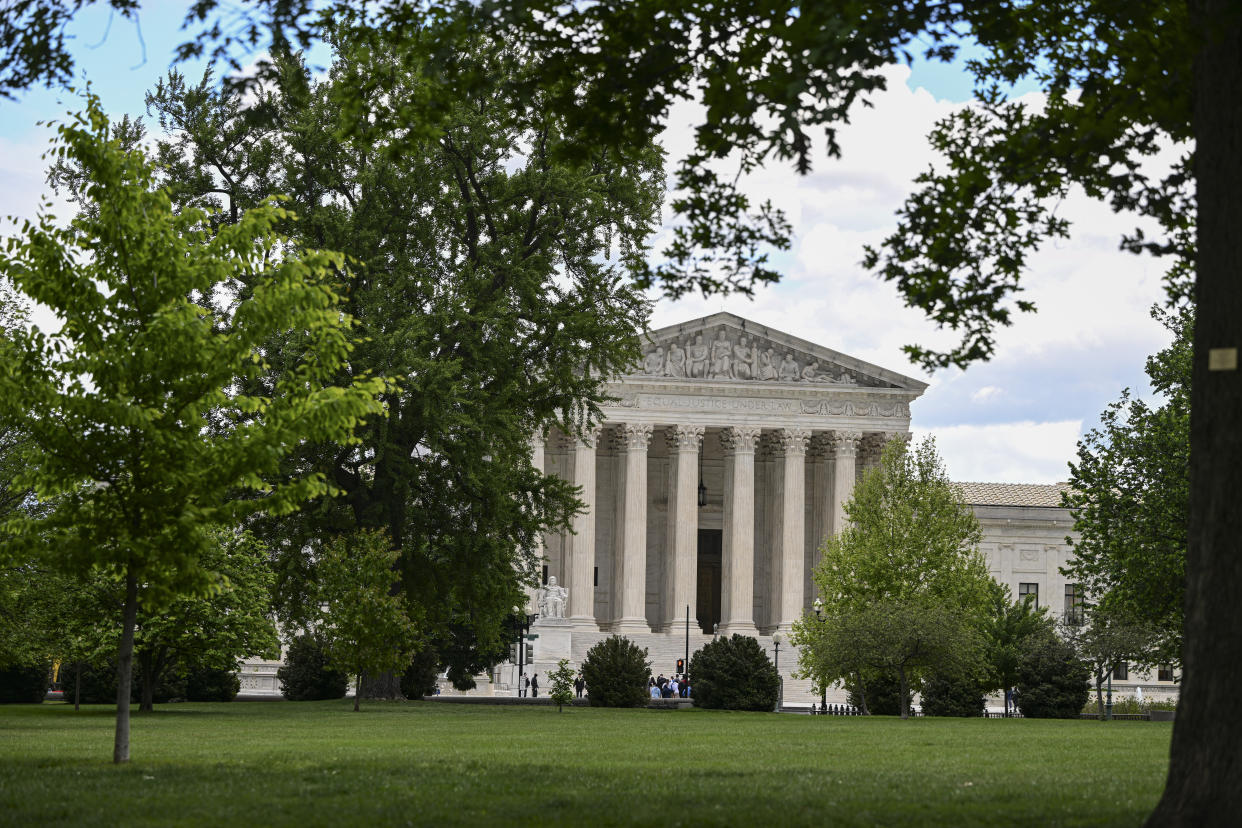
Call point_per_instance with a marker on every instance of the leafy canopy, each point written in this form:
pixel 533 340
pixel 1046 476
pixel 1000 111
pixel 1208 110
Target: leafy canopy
pixel 1130 497
pixel 141 437
pixel 909 538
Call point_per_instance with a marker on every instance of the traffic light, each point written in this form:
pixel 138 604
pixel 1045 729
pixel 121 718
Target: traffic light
pixel 681 666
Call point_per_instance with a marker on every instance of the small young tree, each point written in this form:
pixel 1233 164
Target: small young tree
pixel 616 671
pixel 215 630
pixel 136 424
pixel 734 673
pixel 1109 637
pixel 1006 629
pixel 905 574
pixel 366 625
pixel 562 684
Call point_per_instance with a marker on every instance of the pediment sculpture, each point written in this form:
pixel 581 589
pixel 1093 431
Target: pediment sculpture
pixel 737 356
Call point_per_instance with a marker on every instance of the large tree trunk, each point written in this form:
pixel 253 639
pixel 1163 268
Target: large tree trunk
pixel 77 686
pixel 1099 694
pixel 125 670
pixel 380 686
pixel 903 687
pixel 1204 786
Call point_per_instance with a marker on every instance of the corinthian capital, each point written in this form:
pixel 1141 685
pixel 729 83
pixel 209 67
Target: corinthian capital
pixel 740 439
pixel 684 438
pixel 846 443
pixel 635 436
pixel 794 440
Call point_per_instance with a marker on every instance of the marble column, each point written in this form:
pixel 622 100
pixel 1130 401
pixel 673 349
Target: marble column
pixel 538 446
pixel 845 450
pixel 788 560
pixel 682 547
pixel 738 566
pixel 630 582
pixel 580 546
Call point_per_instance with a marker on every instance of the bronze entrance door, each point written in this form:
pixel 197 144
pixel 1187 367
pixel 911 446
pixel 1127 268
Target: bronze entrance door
pixel 707 598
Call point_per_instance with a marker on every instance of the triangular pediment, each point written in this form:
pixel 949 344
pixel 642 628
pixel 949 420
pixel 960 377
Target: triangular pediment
pixel 725 347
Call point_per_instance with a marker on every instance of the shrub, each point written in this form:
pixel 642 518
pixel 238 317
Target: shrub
pixel 211 684
pixel 616 671
pixel 883 692
pixel 24 683
pixel 953 695
pixel 419 679
pixel 99 684
pixel 306 675
pixel 734 673
pixel 1052 681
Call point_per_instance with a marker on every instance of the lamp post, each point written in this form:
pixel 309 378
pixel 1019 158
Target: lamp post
pixel 780 691
pixel 823 689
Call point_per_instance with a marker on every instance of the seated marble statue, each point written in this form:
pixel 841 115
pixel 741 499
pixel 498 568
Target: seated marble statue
pixel 552 600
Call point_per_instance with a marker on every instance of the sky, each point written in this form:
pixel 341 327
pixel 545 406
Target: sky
pixel 1014 419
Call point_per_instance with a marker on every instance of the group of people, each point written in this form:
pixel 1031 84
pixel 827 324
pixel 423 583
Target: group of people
pixel 529 686
pixel 669 688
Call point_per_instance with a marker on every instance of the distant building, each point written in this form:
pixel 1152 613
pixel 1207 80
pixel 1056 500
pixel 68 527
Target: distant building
pixel 723 462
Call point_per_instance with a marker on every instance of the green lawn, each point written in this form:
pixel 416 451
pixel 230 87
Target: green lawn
pixel 426 763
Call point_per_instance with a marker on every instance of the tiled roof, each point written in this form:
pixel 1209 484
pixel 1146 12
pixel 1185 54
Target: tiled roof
pixel 1012 494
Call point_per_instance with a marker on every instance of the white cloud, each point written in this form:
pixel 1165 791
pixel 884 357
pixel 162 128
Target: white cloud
pixel 1019 414
pixel 1025 452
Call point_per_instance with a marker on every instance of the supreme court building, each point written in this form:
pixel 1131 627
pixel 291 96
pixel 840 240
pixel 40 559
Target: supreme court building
pixel 721 465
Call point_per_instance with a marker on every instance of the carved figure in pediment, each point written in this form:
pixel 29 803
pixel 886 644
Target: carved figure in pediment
pixel 722 353
pixel 654 363
pixel 789 369
pixel 696 358
pixel 811 373
pixel 675 365
pixel 743 360
pixel 766 369
pixel 847 379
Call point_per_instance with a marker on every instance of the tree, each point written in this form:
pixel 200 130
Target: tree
pixel 1130 497
pixel 953 694
pixel 1121 80
pixel 1007 629
pixel 366 625
pixel 734 673
pixel 903 582
pixel 505 308
pixel 909 536
pixel 136 428
pixel 562 685
pixel 306 675
pixel 616 671
pixel 1109 638
pixel 214 630
pixel 904 639
pixel 1052 681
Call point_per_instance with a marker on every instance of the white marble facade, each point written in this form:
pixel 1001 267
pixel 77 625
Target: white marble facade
pixel 776 431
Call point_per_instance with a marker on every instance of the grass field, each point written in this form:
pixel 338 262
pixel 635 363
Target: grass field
pixel 424 763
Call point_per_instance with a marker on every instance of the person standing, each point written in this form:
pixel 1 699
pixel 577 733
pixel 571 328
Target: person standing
pixel 524 686
pixel 534 686
pixel 579 685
